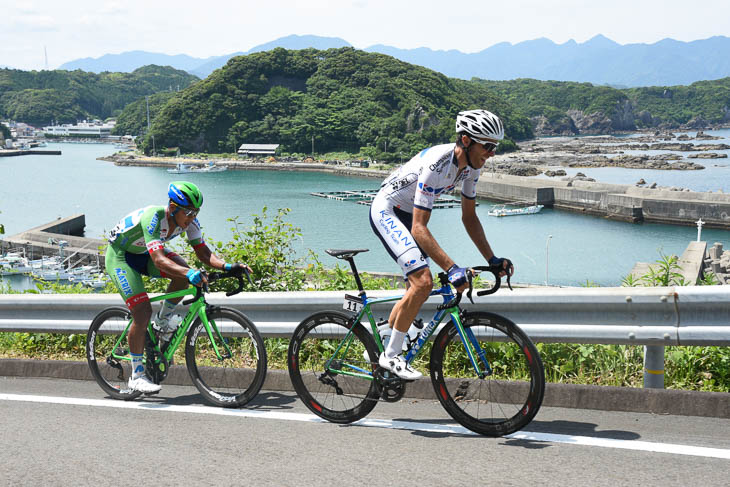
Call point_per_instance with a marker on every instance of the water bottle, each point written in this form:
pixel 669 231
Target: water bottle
pixel 384 330
pixel 166 327
pixel 413 333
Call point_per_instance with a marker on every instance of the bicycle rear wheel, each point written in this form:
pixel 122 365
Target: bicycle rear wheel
pixel 327 391
pixel 233 379
pixel 498 404
pixel 107 352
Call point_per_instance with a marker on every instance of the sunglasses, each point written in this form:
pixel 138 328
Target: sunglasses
pixel 188 212
pixel 489 147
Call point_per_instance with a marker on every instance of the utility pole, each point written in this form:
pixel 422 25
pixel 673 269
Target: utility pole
pixel 547 257
pixel 147 100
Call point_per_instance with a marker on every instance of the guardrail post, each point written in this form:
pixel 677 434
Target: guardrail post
pixel 654 367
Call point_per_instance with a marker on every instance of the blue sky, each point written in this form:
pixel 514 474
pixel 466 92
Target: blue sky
pixel 75 29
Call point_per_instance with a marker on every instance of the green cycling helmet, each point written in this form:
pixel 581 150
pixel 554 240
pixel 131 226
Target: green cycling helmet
pixel 185 194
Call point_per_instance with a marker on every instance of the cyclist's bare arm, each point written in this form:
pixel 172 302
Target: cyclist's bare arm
pixel 474 228
pixel 167 266
pixel 208 258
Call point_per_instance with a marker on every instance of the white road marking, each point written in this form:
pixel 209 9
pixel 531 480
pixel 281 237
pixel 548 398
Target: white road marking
pixel 699 451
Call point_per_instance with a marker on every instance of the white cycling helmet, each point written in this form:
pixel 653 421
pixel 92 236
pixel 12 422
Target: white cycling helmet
pixel 480 125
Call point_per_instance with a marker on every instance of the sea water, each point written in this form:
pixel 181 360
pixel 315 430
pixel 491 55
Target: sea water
pixel 554 247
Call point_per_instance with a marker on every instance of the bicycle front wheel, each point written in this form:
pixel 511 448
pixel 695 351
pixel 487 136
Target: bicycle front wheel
pixel 329 368
pixel 231 371
pixel 497 404
pixel 107 352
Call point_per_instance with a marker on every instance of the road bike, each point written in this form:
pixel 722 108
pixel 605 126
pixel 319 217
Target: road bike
pixel 224 351
pixel 485 370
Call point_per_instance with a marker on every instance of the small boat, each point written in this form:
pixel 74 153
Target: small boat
pixel 502 210
pixel 180 169
pixel 211 167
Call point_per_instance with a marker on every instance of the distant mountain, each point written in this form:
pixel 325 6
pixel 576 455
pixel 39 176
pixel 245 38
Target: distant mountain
pixel 599 60
pixel 293 42
pixel 127 62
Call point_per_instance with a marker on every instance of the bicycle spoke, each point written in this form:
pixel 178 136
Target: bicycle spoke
pixel 228 366
pixel 501 402
pixel 331 368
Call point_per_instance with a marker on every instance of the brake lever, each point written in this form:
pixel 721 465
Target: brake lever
pixel 248 275
pixel 470 277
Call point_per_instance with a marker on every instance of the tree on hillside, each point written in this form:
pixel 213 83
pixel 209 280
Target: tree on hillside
pixel 344 99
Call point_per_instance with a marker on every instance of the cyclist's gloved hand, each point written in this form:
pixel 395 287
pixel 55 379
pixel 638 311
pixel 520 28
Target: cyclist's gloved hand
pixel 237 268
pixel 194 276
pixel 457 275
pixel 496 261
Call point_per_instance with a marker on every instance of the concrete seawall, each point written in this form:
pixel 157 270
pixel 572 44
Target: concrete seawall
pixel 615 201
pixel 44 241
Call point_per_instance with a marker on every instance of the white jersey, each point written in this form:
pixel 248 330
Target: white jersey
pixel 425 177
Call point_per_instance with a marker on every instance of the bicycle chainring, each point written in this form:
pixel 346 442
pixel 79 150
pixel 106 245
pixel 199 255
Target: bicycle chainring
pixel 391 388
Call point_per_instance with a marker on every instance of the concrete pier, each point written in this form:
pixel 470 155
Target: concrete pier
pixel 44 241
pixel 616 201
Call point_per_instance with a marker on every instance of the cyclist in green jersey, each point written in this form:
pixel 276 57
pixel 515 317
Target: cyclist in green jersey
pixel 137 247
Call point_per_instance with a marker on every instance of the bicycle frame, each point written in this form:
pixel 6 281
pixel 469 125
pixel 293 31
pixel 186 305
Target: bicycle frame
pixel 197 309
pixel 468 339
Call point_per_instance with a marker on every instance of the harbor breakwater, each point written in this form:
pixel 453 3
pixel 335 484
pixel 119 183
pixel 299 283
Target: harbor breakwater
pixel 615 201
pixel 63 236
pixel 622 202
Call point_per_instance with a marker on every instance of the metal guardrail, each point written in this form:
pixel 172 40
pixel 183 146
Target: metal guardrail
pixel 653 317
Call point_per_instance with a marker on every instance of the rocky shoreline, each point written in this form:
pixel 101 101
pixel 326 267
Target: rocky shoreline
pixel 542 156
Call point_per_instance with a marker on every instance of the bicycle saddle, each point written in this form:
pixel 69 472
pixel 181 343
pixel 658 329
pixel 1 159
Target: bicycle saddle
pixel 345 254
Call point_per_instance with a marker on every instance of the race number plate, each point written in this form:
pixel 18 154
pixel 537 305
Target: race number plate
pixel 352 303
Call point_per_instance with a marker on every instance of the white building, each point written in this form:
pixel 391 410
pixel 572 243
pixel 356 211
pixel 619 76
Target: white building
pixel 81 129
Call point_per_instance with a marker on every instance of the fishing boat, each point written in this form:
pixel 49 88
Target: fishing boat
pixel 503 210
pixel 180 169
pixel 210 167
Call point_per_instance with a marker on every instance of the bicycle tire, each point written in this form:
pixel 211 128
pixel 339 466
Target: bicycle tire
pixel 498 404
pixel 235 380
pixel 110 371
pixel 335 397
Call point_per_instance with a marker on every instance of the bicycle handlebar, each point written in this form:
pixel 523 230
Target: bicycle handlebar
pixel 494 269
pixel 214 276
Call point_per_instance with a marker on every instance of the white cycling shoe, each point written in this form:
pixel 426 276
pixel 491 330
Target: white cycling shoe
pixel 143 384
pixel 399 367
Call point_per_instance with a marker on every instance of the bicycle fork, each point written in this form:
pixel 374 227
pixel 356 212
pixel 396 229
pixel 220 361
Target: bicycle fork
pixel 471 345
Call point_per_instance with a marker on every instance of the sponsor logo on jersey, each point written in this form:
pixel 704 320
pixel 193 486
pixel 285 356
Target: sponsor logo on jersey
pixel 430 190
pixel 409 263
pixel 153 224
pixel 390 225
pixel 123 282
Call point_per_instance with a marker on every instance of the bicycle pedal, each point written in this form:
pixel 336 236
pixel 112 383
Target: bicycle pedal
pixel 151 393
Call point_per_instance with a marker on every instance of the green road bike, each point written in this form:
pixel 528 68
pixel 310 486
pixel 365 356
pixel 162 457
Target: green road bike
pixel 224 351
pixel 485 370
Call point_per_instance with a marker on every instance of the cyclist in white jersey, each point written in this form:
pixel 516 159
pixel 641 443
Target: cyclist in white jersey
pixel 401 210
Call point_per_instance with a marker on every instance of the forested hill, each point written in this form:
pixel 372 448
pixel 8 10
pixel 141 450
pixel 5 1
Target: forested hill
pixel 343 98
pixel 39 97
pixel 563 107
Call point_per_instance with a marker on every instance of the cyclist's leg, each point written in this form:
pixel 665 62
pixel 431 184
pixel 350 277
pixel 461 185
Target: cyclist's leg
pixel 395 235
pixel 129 283
pixel 167 307
pixel 393 229
pixel 176 283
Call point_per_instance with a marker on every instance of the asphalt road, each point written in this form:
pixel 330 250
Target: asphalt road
pixel 66 432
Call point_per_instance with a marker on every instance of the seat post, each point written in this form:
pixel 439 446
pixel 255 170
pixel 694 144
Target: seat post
pixel 351 260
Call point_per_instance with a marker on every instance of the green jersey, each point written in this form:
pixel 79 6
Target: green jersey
pixel 146 230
